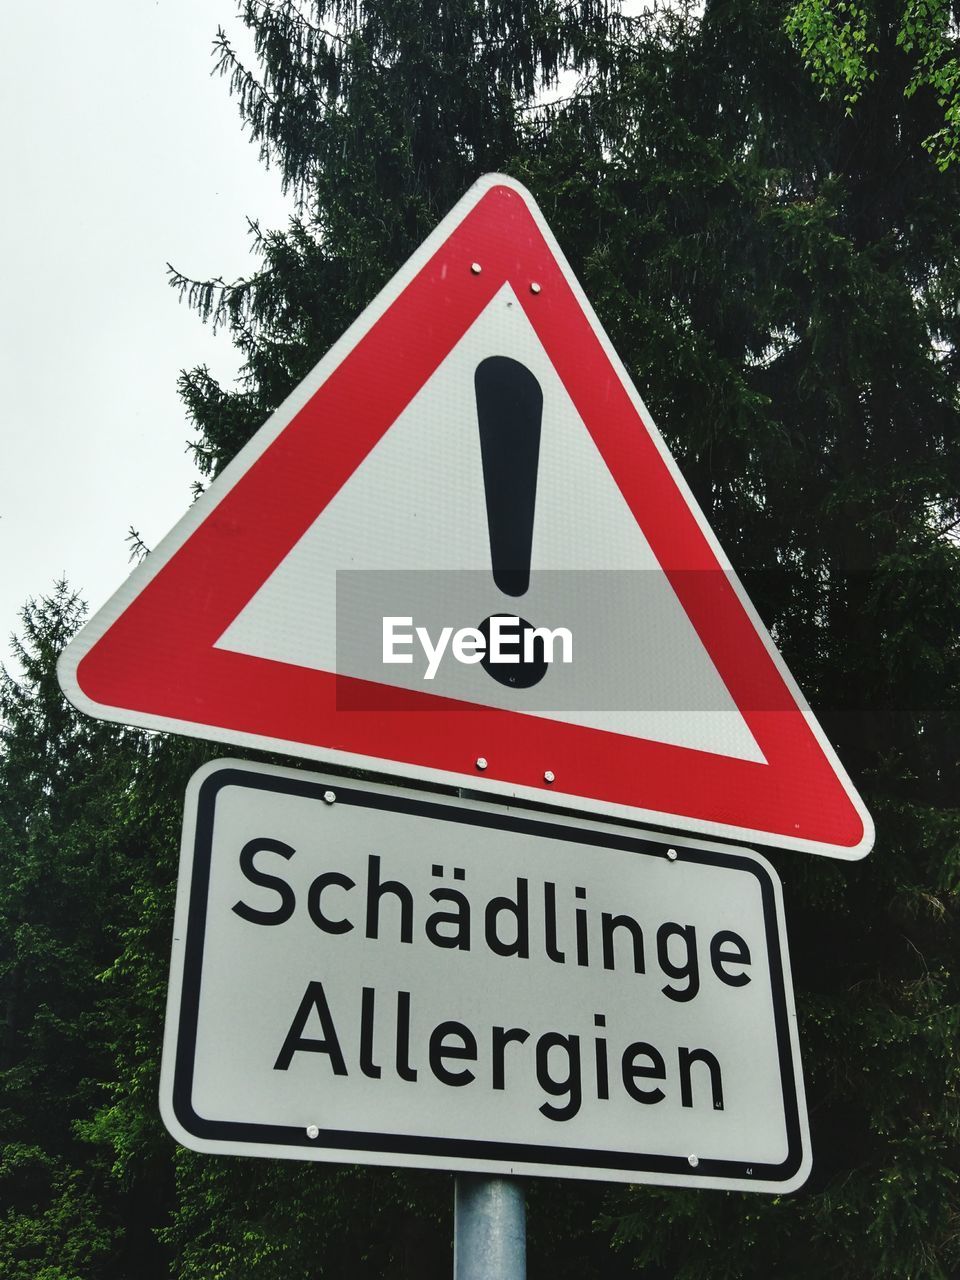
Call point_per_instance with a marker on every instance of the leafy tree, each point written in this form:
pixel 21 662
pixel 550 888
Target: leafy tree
pixel 848 47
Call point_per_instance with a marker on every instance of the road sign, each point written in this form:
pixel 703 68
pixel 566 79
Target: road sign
pixel 374 975
pixel 471 452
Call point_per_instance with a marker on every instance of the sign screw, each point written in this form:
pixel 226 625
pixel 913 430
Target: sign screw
pixel 549 776
pixel 693 1161
pixel 672 855
pixel 534 287
pixel 476 268
pixel 481 762
pixel 329 797
pixel 313 1131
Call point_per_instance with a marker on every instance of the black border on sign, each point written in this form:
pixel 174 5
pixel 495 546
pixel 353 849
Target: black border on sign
pixel 391 1143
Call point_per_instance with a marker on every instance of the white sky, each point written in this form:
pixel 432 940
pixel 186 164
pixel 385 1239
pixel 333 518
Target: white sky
pixel 120 153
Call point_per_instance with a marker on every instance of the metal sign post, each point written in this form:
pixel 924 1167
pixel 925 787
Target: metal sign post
pixel 489 1229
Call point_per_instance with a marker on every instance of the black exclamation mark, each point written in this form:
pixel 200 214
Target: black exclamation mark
pixel 509 413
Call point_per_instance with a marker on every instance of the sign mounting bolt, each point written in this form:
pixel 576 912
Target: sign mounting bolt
pixel 476 268
pixel 672 855
pixel 481 762
pixel 329 797
pixel 313 1131
pixel 549 775
pixel 693 1161
pixel 534 287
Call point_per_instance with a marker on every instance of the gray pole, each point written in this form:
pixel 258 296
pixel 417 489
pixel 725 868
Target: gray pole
pixel 489 1229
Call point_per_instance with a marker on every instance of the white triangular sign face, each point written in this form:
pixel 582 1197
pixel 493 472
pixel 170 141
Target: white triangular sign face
pixel 434 524
pixel 399 488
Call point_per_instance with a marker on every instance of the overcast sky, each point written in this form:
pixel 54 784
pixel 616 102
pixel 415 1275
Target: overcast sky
pixel 121 153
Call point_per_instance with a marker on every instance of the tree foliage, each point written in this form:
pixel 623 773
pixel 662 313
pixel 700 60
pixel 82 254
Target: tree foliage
pixel 779 271
pixel 848 46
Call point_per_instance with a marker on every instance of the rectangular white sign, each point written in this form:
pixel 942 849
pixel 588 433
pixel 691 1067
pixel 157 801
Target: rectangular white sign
pixel 371 974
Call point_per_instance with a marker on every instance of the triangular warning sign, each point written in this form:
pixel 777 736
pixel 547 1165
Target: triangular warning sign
pixel 469 452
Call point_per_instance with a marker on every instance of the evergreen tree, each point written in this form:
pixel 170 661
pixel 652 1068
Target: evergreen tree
pixel 89 818
pixel 60 784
